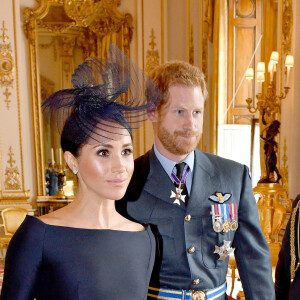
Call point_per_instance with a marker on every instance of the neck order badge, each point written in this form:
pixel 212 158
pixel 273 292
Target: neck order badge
pixel 180 180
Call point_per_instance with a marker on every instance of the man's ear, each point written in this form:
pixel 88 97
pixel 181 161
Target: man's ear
pixel 71 160
pixel 153 115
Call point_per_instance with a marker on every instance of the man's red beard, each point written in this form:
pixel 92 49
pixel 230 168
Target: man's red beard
pixel 175 143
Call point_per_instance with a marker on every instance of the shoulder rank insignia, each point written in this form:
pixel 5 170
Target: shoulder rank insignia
pixel 220 197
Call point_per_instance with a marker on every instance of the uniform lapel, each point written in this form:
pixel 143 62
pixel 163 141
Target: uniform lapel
pixel 158 182
pixel 205 180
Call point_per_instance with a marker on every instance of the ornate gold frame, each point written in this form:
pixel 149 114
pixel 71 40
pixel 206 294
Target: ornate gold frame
pixel 97 18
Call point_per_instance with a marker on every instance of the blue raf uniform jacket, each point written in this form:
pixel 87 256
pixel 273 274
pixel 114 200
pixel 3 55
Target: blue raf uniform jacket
pixel 185 258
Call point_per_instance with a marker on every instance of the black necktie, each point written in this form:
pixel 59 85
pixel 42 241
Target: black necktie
pixel 180 167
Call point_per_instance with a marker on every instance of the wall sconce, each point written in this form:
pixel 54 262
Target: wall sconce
pixel 268 103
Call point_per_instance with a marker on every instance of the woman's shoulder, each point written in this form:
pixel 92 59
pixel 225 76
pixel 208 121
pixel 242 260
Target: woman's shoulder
pixel 30 224
pixel 28 237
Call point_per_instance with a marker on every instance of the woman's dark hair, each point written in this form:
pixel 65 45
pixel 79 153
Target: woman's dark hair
pixel 73 137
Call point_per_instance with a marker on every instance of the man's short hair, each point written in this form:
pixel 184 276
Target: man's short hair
pixel 175 73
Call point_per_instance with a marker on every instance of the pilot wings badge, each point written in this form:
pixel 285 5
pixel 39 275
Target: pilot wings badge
pixel 220 197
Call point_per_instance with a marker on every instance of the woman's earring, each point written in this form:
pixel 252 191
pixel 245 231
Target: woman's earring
pixel 75 171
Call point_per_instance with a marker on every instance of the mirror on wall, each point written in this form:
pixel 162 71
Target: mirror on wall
pixel 61 36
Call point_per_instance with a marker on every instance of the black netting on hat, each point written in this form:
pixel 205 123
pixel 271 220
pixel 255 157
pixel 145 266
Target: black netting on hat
pixel 107 94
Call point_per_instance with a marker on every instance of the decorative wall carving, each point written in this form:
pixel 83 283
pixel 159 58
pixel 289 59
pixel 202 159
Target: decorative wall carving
pixel 12 174
pixel 287 25
pixel 152 54
pixel 284 170
pixel 6 65
pixel 80 11
pixel 94 19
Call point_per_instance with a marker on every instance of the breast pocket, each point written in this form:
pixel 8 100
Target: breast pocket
pixel 210 240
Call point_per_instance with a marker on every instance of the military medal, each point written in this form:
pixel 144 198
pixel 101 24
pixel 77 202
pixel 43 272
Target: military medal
pixel 220 197
pixel 178 196
pixel 216 218
pixel 224 250
pixel 233 216
pixel 217 225
pixel 226 217
pixel 234 225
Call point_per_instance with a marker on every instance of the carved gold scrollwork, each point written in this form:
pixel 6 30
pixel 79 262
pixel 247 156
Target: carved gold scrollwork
pixel 152 54
pixel 6 65
pixel 287 25
pixel 6 60
pixel 80 11
pixel 6 93
pixel 12 174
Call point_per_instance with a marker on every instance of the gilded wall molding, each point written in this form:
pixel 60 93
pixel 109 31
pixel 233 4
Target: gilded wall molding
pixel 12 179
pixel 6 66
pixel 7 94
pixel 287 26
pixel 284 170
pixel 101 18
pixel 152 55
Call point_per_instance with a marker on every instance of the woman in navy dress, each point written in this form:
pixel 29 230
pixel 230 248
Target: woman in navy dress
pixel 87 250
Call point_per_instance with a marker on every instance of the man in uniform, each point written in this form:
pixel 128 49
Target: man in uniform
pixel 201 205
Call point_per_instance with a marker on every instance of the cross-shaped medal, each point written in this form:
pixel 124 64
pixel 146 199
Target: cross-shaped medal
pixel 178 195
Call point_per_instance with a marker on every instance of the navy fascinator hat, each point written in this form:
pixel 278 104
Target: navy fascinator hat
pixel 107 95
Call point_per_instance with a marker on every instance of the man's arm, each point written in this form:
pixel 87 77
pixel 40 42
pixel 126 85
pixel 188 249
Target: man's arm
pixel 252 252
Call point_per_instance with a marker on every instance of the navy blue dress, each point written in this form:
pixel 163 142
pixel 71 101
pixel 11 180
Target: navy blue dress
pixel 64 263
